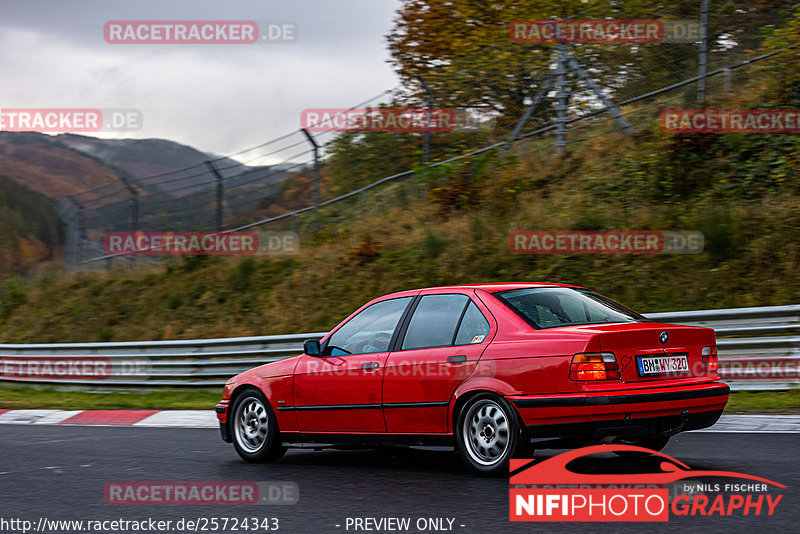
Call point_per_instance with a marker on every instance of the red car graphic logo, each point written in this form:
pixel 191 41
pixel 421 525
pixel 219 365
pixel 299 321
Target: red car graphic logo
pixel 555 470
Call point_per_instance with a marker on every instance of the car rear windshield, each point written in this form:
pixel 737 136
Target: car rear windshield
pixel 549 307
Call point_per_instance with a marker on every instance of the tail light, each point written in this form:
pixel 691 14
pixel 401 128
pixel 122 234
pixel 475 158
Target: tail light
pixel 594 366
pixel 710 359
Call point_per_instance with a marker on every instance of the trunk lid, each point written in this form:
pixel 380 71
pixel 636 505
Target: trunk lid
pixel 654 351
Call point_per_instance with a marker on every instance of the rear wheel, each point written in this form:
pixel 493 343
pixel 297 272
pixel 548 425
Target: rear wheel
pixel 488 434
pixel 255 430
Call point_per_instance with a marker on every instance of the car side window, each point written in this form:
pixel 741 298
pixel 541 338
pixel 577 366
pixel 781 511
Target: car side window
pixel 435 321
pixel 474 327
pixel 370 331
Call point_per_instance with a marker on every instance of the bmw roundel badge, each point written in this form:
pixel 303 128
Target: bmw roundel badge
pixel 663 337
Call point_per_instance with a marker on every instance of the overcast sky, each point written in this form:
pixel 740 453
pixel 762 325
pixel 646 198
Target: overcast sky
pixel 218 98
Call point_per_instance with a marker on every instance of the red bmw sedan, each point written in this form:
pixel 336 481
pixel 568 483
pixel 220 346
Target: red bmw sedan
pixel 493 370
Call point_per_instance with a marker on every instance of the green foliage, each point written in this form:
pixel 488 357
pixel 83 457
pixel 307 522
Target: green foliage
pixel 105 333
pixel 174 302
pixel 193 263
pixel 356 160
pixel 675 168
pixel 719 232
pixel 12 297
pixel 459 184
pixel 31 229
pixel 590 218
pixel 784 70
pixel 432 246
pixel 240 276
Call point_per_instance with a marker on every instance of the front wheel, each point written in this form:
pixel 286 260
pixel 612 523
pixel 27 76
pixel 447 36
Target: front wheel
pixel 488 434
pixel 255 430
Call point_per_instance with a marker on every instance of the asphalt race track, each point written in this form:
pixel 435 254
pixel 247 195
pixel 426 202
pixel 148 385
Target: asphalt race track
pixel 59 472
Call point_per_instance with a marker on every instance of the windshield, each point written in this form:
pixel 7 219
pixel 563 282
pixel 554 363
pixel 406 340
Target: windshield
pixel 548 307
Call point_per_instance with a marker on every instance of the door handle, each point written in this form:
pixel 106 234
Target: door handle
pixel 369 366
pixel 460 358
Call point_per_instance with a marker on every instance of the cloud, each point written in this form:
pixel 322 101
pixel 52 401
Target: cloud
pixel 218 98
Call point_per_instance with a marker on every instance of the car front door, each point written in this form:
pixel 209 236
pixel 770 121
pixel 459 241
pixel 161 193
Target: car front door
pixel 340 391
pixel 441 346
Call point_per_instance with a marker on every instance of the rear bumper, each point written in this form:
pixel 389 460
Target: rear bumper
pixel 222 416
pixel 578 434
pixel 623 405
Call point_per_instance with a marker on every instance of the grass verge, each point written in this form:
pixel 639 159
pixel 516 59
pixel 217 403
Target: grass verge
pixel 14 396
pixel 773 402
pixel 18 397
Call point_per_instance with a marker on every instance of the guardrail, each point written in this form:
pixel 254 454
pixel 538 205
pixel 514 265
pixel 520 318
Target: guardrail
pixel 755 354
pixel 754 351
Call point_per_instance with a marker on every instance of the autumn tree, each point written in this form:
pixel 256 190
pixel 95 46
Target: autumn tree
pixel 463 50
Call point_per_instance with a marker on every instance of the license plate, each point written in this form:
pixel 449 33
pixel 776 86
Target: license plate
pixel 675 364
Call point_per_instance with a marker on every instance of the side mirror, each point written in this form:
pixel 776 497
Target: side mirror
pixel 311 347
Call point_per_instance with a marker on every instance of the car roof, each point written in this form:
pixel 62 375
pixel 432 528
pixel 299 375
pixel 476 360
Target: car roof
pixel 492 287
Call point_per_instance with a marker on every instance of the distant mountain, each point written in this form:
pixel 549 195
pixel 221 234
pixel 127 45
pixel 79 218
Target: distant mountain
pixel 175 187
pixel 175 168
pixel 39 162
pixel 140 157
pixel 58 165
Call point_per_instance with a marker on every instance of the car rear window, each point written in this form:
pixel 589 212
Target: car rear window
pixel 549 307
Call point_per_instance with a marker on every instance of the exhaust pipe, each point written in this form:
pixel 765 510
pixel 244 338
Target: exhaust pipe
pixel 684 418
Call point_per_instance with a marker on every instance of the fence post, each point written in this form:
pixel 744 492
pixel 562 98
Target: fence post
pixel 134 211
pixel 613 109
pixel 81 217
pixel 561 84
pixel 314 180
pixel 220 196
pixel 540 94
pixel 134 205
pixel 703 59
pixel 426 143
pixel 67 213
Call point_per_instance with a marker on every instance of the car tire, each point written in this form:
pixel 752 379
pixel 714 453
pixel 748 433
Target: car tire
pixel 488 433
pixel 254 428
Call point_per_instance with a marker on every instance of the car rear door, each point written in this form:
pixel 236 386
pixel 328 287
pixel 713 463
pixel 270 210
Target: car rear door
pixel 437 349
